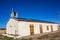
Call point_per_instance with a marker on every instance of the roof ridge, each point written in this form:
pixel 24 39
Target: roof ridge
pixel 34 20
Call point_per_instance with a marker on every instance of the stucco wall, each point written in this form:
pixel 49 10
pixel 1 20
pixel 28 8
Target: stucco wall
pixel 24 28
pixel 11 26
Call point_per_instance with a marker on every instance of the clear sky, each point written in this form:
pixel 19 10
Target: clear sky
pixel 32 9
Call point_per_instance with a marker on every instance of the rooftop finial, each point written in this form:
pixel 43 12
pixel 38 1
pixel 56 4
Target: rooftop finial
pixel 12 9
pixel 14 14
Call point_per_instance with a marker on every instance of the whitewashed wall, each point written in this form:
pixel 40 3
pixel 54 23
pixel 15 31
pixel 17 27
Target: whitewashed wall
pixel 24 28
pixel 11 26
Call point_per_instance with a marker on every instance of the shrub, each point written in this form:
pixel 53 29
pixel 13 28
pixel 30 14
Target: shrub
pixel 24 39
pixel 39 38
pixel 7 38
pixel 30 38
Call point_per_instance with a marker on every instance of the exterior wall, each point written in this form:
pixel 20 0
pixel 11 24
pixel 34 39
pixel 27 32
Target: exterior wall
pixel 24 28
pixel 11 26
pixel 49 25
pixel 55 27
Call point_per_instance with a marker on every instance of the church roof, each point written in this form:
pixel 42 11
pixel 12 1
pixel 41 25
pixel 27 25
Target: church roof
pixel 33 20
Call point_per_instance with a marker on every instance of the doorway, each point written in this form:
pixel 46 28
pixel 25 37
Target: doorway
pixel 51 28
pixel 31 29
pixel 41 30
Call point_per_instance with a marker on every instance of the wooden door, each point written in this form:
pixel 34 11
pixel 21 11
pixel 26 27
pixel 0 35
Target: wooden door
pixel 41 30
pixel 51 28
pixel 31 29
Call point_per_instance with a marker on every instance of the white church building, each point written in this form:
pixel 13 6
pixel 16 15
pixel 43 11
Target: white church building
pixel 25 27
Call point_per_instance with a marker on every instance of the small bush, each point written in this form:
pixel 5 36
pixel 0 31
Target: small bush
pixel 30 38
pixel 39 38
pixel 24 39
pixel 7 38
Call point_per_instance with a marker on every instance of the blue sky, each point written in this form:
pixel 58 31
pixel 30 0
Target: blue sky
pixel 32 9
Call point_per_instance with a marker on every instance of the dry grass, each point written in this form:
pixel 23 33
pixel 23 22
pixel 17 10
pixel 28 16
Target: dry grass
pixel 48 36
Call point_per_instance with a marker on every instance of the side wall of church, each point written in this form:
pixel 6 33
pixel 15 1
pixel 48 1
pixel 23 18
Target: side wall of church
pixel 24 27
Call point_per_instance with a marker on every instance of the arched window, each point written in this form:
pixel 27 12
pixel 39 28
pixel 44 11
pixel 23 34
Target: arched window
pixel 31 29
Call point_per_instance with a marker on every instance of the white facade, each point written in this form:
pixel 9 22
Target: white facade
pixel 22 28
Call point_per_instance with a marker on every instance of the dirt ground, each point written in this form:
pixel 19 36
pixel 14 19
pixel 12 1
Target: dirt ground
pixel 43 36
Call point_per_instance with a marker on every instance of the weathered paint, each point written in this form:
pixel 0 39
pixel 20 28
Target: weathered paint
pixel 23 28
pixel 11 26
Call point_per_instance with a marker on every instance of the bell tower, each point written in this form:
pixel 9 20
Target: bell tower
pixel 14 14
